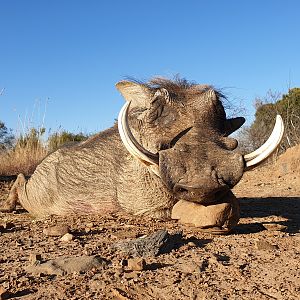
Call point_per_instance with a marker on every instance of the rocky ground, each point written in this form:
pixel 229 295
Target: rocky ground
pixel 258 260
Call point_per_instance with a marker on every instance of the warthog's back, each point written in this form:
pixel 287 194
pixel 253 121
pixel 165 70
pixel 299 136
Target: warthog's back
pixel 80 178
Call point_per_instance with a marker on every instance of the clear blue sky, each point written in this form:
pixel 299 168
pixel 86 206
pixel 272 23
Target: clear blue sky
pixel 70 53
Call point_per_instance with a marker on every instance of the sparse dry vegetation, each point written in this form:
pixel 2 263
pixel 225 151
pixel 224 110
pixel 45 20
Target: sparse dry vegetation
pixel 29 149
pixel 24 156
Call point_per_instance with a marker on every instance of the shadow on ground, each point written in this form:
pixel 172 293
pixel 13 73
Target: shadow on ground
pixel 286 207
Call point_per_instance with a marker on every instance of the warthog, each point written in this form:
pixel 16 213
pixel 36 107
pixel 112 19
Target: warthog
pixel 171 143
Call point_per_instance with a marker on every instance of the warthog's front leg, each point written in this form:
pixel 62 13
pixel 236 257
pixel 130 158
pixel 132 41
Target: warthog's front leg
pixel 13 197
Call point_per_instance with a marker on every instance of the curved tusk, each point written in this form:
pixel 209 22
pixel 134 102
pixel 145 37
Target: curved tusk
pixel 275 132
pixel 130 143
pixel 268 147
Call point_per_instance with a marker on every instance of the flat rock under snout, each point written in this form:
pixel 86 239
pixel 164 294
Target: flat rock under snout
pixel 223 216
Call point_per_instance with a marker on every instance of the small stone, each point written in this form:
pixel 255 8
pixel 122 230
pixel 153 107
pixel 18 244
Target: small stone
pixel 97 284
pixel 274 226
pixel 188 267
pixel 67 237
pixel 203 264
pixel 213 260
pixel 58 230
pixel 6 225
pixel 89 225
pixel 192 244
pixel 130 275
pixel 136 264
pixel 264 245
pixel 68 265
pixel 35 258
pixel 119 294
pixel 124 262
pixel 19 243
pixel 243 266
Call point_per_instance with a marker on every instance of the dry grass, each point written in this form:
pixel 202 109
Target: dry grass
pixel 22 159
pixel 30 149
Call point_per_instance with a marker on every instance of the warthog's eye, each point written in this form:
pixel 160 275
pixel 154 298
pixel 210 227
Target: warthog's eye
pixel 178 137
pixel 167 145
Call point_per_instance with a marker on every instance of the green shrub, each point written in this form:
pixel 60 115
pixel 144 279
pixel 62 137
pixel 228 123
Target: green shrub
pixel 6 137
pixel 58 139
pixel 288 106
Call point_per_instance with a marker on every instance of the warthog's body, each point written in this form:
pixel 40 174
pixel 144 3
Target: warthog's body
pixel 184 126
pixel 96 176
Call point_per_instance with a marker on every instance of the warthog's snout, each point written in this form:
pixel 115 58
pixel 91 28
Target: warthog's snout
pixel 194 193
pixel 202 175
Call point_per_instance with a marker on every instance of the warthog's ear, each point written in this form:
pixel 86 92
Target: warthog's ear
pixel 134 92
pixel 231 125
pixel 158 101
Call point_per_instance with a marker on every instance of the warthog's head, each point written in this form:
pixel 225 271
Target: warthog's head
pixel 181 132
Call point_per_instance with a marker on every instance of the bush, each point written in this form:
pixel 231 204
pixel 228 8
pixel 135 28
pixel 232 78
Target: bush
pixel 58 139
pixel 6 137
pixel 288 106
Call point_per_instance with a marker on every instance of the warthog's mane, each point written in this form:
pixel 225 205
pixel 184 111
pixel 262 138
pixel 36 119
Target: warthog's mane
pixel 178 87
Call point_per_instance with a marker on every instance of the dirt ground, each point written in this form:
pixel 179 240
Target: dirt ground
pixel 260 259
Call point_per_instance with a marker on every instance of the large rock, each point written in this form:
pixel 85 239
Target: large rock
pixel 151 245
pixel 218 217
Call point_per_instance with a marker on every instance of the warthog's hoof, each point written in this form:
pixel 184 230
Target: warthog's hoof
pixel 218 218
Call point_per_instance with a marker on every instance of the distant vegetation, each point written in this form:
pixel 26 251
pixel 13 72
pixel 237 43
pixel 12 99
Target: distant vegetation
pixel 58 139
pixel 288 106
pixel 22 154
pixel 6 137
